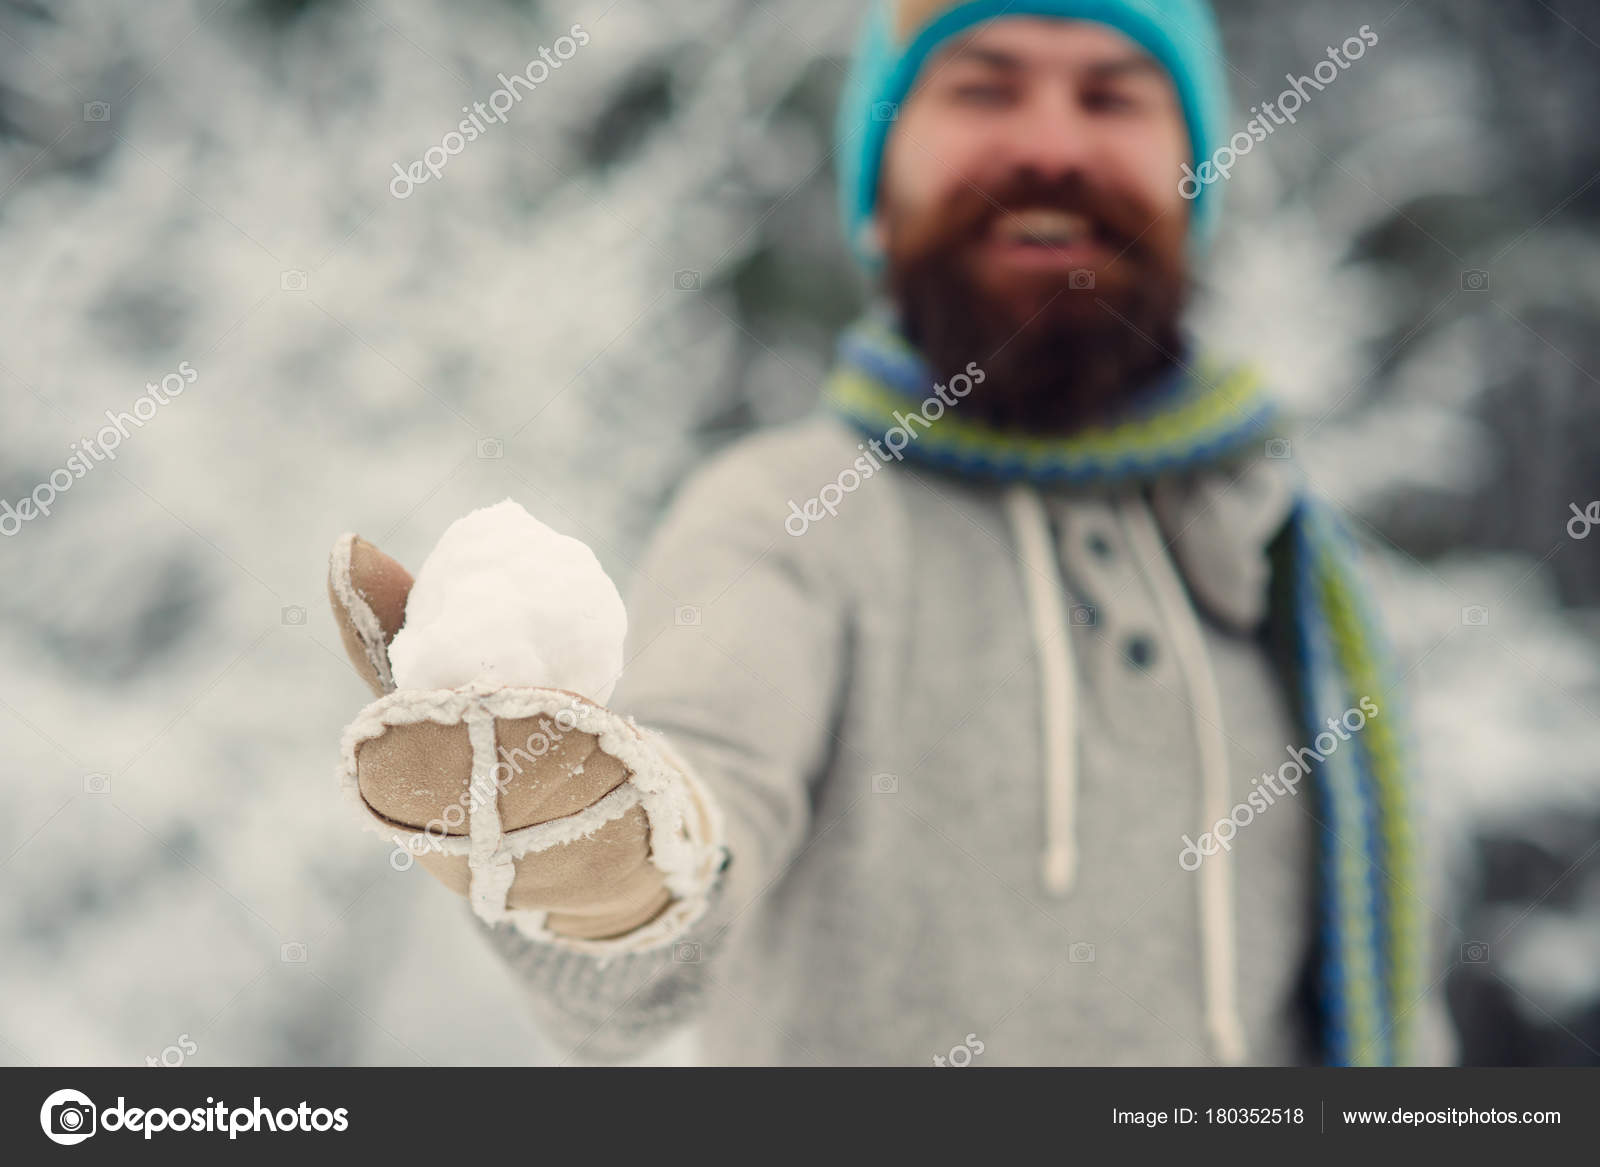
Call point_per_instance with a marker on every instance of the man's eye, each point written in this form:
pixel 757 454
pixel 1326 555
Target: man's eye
pixel 1111 102
pixel 978 93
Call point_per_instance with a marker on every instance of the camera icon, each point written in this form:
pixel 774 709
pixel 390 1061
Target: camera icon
pixel 293 952
pixel 1475 616
pixel 1084 615
pixel 293 280
pixel 687 280
pixel 294 615
pixel 686 952
pixel 72 1118
pixel 1081 953
pixel 97 111
pixel 885 111
pixel 1475 280
pixel 1080 279
pixel 885 784
pixel 1476 952
pixel 686 616
pixel 68 1117
pixel 490 448
pixel 1279 449
pixel 97 784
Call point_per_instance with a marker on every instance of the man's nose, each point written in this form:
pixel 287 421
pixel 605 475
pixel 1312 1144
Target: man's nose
pixel 1051 134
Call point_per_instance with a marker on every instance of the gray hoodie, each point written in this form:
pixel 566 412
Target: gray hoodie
pixel 961 735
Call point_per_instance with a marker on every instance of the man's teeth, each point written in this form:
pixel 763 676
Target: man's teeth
pixel 1044 227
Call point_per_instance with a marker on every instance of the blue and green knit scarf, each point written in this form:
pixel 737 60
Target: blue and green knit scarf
pixel 1371 951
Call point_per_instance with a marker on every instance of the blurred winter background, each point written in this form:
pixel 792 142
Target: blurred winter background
pixel 640 264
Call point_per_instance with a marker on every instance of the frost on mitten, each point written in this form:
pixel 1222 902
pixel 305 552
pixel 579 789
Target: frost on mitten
pixel 543 808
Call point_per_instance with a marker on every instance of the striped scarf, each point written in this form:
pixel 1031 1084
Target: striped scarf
pixel 1371 933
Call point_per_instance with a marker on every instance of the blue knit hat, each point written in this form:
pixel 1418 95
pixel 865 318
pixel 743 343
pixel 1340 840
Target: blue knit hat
pixel 1180 34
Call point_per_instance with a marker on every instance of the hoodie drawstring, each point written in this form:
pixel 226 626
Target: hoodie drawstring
pixel 1058 684
pixel 1218 943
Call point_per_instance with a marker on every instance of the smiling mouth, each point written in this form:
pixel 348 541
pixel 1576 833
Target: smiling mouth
pixel 1033 235
pixel 1044 227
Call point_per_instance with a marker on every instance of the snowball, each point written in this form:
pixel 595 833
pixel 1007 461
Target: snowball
pixel 505 600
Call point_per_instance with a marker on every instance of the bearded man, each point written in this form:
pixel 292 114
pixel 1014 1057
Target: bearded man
pixel 1020 702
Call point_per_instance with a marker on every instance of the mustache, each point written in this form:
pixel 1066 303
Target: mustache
pixel 971 213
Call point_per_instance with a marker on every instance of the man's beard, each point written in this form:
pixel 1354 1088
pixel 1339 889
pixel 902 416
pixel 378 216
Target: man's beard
pixel 1056 355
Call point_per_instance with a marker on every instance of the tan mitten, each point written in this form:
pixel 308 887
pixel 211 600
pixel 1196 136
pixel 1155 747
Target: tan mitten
pixel 544 809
